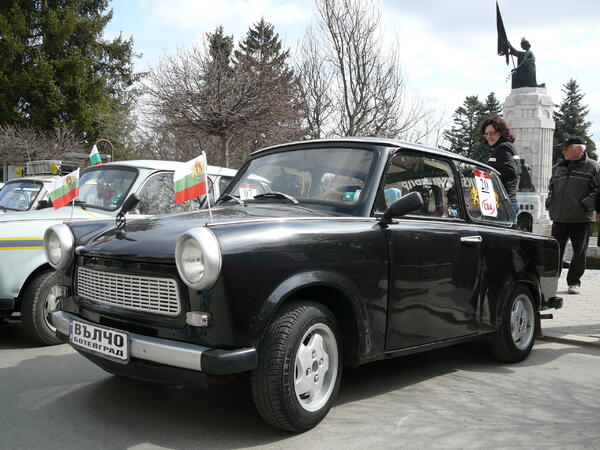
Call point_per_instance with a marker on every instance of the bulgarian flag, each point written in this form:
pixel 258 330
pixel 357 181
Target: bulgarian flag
pixel 190 179
pixel 95 156
pixel 65 189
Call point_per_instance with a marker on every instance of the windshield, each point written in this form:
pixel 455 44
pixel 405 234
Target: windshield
pixel 105 188
pixel 19 196
pixel 335 175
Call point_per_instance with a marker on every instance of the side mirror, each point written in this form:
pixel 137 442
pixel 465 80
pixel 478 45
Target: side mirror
pixel 403 206
pixel 43 204
pixel 130 203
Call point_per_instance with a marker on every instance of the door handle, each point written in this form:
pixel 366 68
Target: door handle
pixel 471 239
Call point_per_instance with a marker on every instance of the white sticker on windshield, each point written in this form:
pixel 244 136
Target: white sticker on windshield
pixel 247 191
pixel 485 190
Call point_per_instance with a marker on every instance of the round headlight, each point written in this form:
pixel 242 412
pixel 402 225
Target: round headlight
pixel 192 260
pixel 58 245
pixel 198 258
pixel 53 251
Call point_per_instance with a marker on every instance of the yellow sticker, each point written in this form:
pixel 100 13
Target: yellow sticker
pixel 474 196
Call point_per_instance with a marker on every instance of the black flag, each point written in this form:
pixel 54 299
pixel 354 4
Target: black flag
pixel 503 45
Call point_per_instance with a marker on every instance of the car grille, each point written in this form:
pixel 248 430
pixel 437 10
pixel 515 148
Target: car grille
pixel 135 292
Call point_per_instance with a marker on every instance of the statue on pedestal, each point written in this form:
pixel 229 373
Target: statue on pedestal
pixel 523 75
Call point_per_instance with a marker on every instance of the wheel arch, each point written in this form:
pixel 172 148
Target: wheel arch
pixel 30 277
pixel 337 293
pixel 531 286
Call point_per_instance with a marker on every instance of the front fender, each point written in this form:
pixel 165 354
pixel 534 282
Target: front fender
pixel 306 280
pixel 16 266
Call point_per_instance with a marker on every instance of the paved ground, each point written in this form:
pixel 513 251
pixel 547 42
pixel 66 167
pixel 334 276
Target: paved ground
pixel 578 322
pixel 451 398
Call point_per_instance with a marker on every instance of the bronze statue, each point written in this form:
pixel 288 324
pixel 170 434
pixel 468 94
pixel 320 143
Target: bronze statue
pixel 523 75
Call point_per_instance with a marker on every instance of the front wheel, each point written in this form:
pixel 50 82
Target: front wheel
pixel 514 338
pixel 299 367
pixel 38 303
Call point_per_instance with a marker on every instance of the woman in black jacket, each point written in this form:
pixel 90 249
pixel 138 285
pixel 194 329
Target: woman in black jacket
pixel 503 155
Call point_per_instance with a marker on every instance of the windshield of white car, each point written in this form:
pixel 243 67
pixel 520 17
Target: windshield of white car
pixel 332 175
pixel 19 196
pixel 105 188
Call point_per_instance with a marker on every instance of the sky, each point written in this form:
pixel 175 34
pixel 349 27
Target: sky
pixel 447 47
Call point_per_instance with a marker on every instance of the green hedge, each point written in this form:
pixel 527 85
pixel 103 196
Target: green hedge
pixel 592 262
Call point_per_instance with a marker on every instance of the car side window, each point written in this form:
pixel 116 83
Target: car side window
pixel 158 196
pixel 484 195
pixel 432 177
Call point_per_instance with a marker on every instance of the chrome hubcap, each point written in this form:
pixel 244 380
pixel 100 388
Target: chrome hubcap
pixel 316 367
pixel 522 320
pixel 51 304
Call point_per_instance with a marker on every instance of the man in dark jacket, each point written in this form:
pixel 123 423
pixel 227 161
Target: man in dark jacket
pixel 572 192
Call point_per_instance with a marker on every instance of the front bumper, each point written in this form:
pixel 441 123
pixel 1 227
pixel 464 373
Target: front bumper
pixel 7 304
pixel 170 353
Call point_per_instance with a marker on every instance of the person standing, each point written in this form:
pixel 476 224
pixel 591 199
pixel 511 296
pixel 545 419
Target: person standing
pixel 572 192
pixel 503 155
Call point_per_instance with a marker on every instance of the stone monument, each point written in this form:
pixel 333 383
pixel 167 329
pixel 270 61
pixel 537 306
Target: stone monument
pixel 528 112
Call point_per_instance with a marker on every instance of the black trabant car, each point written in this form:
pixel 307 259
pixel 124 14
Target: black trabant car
pixel 319 254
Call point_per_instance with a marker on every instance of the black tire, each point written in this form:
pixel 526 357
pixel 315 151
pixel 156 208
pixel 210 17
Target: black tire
pixel 516 332
pixel 34 308
pixel 302 333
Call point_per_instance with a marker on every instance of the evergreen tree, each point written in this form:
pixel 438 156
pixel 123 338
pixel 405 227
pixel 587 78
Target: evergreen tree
pixel 261 57
pixel 220 45
pixel 56 69
pixel 491 107
pixel 261 50
pixel 464 136
pixel 570 120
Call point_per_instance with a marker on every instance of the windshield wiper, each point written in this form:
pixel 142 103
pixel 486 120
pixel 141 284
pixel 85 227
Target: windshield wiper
pixel 3 208
pixel 81 204
pixel 277 195
pixel 227 197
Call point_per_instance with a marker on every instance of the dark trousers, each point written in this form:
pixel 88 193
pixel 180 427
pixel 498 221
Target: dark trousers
pixel 579 234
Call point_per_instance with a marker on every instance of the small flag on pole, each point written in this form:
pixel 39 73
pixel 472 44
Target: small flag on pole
pixel 65 189
pixel 95 156
pixel 190 179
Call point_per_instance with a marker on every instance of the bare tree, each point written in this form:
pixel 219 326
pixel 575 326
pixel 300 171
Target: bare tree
pixel 351 83
pixel 21 144
pixel 208 102
pixel 315 82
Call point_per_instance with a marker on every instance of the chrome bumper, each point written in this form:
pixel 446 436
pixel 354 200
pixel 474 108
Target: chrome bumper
pixel 175 353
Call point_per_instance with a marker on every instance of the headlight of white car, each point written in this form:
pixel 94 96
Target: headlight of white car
pixel 58 245
pixel 198 258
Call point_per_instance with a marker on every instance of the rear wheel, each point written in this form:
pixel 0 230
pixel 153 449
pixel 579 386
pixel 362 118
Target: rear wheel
pixel 516 328
pixel 299 367
pixel 38 303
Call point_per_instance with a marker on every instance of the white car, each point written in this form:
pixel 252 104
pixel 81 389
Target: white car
pixel 26 279
pixel 30 192
pixel 26 193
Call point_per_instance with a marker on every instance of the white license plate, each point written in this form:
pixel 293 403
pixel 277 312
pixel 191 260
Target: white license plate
pixel 106 342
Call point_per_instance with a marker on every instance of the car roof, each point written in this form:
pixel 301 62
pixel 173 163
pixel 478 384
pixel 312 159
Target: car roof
pixel 381 142
pixel 42 178
pixel 155 164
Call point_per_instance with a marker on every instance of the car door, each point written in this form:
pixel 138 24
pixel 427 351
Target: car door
pixel 434 258
pixel 503 253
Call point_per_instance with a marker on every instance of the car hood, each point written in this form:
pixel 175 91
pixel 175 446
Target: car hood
pixel 155 238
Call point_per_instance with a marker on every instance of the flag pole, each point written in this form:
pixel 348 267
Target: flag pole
pixel 207 190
